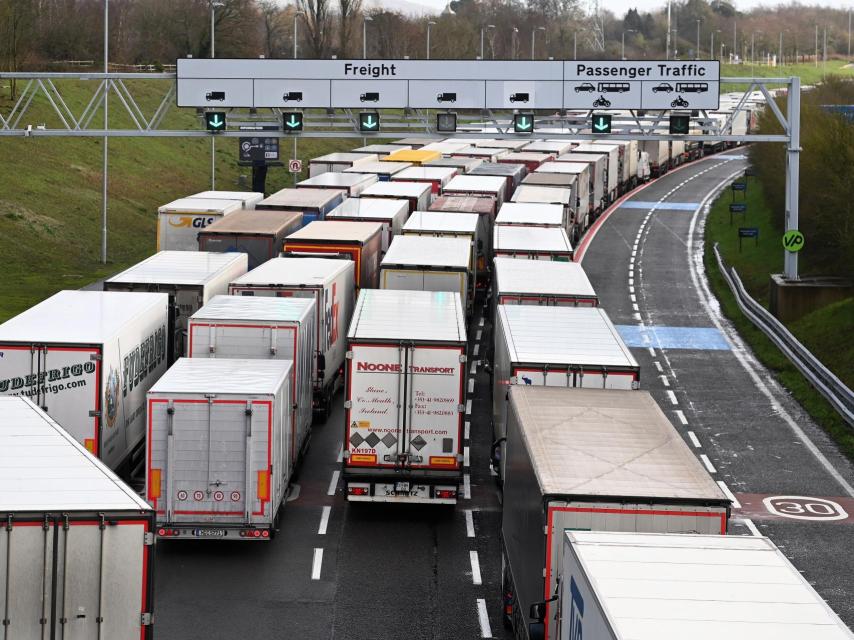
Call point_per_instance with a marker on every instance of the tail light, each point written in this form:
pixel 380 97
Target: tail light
pixel 445 494
pixel 357 491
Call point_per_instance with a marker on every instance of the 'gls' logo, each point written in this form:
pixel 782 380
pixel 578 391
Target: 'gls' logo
pixel 185 222
pixel 576 611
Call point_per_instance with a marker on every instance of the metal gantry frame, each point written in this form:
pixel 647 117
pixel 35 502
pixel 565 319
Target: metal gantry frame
pixel 342 123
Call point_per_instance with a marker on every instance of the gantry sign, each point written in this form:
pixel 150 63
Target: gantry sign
pixel 448 84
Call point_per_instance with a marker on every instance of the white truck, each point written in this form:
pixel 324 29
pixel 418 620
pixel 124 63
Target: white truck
pixel 88 358
pixel 330 284
pixel 596 164
pixel 612 165
pixel 382 170
pixel 220 448
pixel 535 282
pixel 562 196
pixel 405 397
pixel 436 177
pixel 190 279
pixel 419 195
pixel 600 460
pixel 179 222
pixel 533 243
pixel 391 214
pixel 533 214
pixel 247 199
pixel 425 263
pixel 77 543
pixel 245 327
pixel 313 204
pixel 649 586
pixel 352 183
pixel 337 162
pixel 445 224
pixel 586 203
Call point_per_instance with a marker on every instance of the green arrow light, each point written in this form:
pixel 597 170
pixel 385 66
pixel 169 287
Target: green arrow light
pixel 293 122
pixel 601 125
pixel 523 122
pixel 215 120
pixel 369 122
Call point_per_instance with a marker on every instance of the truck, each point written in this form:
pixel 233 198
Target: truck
pixel 330 283
pixel 555 346
pixel 417 194
pixel 189 279
pixel 382 170
pixel 658 152
pixel 618 586
pixel 405 397
pixel 360 242
pixel 597 167
pixel 464 165
pixel 247 199
pixel 249 327
pixel 558 196
pixel 534 282
pixel 535 243
pixel 485 208
pixel 534 214
pixel 336 162
pixel 627 151
pixel 179 222
pixel 87 358
pixel 78 543
pixel 259 234
pixel 554 147
pixel 313 204
pixel 612 165
pixel 587 205
pixel 389 213
pixel 443 224
pixel 513 173
pixel 220 448
pixel 382 149
pixel 580 459
pixel 530 159
pixel 415 156
pixel 352 183
pixel 487 154
pixel 425 263
pixel 436 177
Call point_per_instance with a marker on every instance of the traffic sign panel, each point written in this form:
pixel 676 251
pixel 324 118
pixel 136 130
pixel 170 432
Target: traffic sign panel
pixel 680 124
pixel 523 122
pixel 295 165
pixel 258 150
pixel 292 121
pixel 446 122
pixel 601 123
pixel 389 94
pixel 447 94
pixel 215 120
pixel 369 121
pixel 292 94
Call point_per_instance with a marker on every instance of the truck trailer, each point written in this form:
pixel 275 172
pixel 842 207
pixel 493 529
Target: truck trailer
pixel 533 243
pixel 258 234
pixel 352 183
pixel 391 214
pixel 77 543
pixel 417 194
pixel 444 224
pixel 534 282
pixel 405 397
pixel 337 162
pixel 591 460
pixel 436 177
pixel 179 222
pixel 330 284
pixel 87 358
pixel 382 170
pixel 247 199
pixel 313 204
pixel 220 445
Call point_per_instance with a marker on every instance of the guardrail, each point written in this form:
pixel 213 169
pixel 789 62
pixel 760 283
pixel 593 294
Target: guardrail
pixel 831 387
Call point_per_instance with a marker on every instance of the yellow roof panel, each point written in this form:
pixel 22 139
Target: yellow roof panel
pixel 416 156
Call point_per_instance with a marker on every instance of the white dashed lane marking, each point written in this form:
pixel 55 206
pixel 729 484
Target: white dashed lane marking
pixel 693 438
pixel 708 463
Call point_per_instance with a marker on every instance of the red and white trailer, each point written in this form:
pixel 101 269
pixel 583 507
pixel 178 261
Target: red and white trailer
pixel 405 398
pixel 535 282
pixel 533 243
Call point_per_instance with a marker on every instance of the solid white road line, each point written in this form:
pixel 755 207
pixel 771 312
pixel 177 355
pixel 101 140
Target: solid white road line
pixel 708 463
pixel 466 459
pixel 466 487
pixel 658 366
pixel 672 397
pixel 333 483
pixel 475 568
pixel 693 438
pixel 469 523
pixel 467 432
pixel 681 416
pixel 324 521
pixel 468 407
pixel 729 494
pixel 485 629
pixel 316 564
pixel 471 385
pixel 747 522
pixel 665 381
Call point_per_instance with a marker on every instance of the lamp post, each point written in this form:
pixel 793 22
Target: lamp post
pixel 482 31
pixel 106 125
pixel 534 39
pixel 712 47
pixel 297 14
pixel 697 53
pixel 365 22
pixel 780 57
pixel 214 4
pixel 623 46
pixel 575 45
pixel 513 38
pixel 430 23
pixel 667 46
pixel 752 51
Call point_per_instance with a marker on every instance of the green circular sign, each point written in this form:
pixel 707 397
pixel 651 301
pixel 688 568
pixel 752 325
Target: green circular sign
pixel 793 240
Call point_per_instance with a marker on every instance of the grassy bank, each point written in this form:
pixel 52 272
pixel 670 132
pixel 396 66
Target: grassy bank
pixel 808 73
pixel 824 331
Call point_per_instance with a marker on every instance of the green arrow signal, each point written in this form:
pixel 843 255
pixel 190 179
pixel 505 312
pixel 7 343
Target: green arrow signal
pixel 293 122
pixel 600 124
pixel 216 123
pixel 523 124
pixel 369 122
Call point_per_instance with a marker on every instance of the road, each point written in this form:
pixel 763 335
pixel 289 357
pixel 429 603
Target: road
pixel 339 570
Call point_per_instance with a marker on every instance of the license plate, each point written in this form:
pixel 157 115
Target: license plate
pixel 401 487
pixel 209 533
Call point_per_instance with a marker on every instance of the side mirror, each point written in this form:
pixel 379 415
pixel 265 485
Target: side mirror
pixel 536 631
pixel 537 611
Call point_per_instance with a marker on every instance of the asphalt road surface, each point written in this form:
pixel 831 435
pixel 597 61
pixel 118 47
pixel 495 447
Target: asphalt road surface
pixel 339 570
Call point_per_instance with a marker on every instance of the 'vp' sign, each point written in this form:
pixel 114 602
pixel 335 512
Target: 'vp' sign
pixel 793 240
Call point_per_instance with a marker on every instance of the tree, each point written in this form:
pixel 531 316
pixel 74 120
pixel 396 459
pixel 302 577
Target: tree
pixel 272 16
pixel 318 23
pixel 347 10
pixel 16 36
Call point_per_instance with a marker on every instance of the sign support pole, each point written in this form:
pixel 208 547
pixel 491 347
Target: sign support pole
pixel 793 160
pixel 106 128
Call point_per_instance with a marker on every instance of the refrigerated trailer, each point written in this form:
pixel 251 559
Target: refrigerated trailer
pixel 485 207
pixel 330 284
pixel 595 164
pixel 382 170
pixel 425 263
pixel 562 197
pixel 352 183
pixel 391 214
pixel 585 195
pixel 465 165
pixel 533 214
pixel 436 177
pixel 585 459
pixel 534 243
pixel 534 282
pixel 190 279
pixel 553 147
pixel 417 194
pixel 612 165
pixel 221 448
pixel 337 162
pixel 87 358
pixel 247 199
pixel 313 204
pixel 649 586
pixel 530 159
pixel 405 397
pixel 179 222
pixel 445 224
pixel 513 173
pixel 76 545
pixel 258 234
pixel 246 327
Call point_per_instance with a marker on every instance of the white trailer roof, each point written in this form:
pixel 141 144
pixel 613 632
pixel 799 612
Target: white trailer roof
pixel 180 267
pixel 42 468
pixel 521 239
pixel 529 156
pixel 397 189
pixel 80 316
pixel 300 198
pixel 530 213
pixel 386 314
pixel 442 221
pixel 564 335
pixel 607 442
pixel 382 148
pixel 341 230
pixel 563 167
pixel 466 164
pixel 201 205
pixel 476 184
pixel 654 586
pixel 261 308
pixel 380 167
pixel 587 147
pixel 294 271
pixel 428 251
pixel 584 158
pixel 248 198
pixel 370 208
pixel 546 146
pixel 346 157
pixel 223 375
pixel 426 173
pixel 339 180
pixel 541 277
pixel 482 152
pixel 536 193
pixel 501 144
pixel 445 147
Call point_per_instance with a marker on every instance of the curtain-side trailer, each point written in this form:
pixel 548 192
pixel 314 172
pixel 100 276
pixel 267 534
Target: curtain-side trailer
pixel 87 358
pixel 580 459
pixel 76 545
pixel 330 284
pixel 405 397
